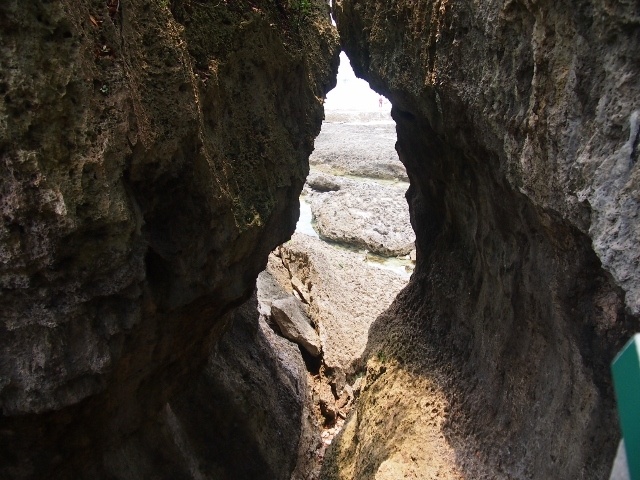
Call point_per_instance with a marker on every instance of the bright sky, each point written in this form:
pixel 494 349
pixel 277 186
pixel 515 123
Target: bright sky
pixel 351 92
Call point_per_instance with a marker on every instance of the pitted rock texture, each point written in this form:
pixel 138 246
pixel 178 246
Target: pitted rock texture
pixel 361 214
pixel 321 182
pixel 151 154
pixel 246 415
pixel 295 325
pixel 514 121
pixel 365 149
pixel 413 447
pixel 565 132
pixel 345 295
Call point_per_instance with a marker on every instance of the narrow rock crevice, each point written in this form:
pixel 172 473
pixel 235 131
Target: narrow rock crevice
pixel 152 154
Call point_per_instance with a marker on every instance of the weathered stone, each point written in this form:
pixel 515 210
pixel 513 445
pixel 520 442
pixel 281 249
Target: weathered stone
pixel 323 183
pixel 345 398
pixel 151 157
pixel 269 290
pixel 327 403
pixel 364 149
pixel 338 381
pixel 357 385
pixel 295 324
pixel 247 414
pixel 366 215
pixel 514 121
pixel 152 154
pixel 301 288
pixel 347 295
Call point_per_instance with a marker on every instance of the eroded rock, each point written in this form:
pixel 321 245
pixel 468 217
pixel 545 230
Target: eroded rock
pixel 151 157
pixel 268 289
pixel 295 325
pixel 514 126
pixel 364 149
pixel 346 296
pixel 363 214
pixel 327 402
pixel 247 415
pixel 323 183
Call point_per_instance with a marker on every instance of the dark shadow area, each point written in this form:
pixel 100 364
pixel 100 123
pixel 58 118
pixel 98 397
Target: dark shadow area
pixel 230 429
pixel 312 363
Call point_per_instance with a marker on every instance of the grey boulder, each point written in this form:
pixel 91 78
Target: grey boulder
pixel 294 324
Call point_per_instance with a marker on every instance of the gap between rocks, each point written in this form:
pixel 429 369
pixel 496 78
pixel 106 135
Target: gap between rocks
pixel 352 252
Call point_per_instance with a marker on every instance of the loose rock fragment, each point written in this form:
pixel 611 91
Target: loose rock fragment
pixel 323 183
pixel 295 325
pixel 301 289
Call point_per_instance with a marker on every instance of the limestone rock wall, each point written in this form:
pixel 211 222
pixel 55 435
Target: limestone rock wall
pixel 517 122
pixel 247 414
pixel 344 294
pixel 151 156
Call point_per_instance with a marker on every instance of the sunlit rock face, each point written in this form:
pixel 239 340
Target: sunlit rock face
pixel 152 155
pixel 518 125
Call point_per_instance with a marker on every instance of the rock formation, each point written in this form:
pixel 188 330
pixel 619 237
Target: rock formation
pixel 345 295
pixel 517 122
pixel 360 149
pixel 152 156
pixel 295 325
pixel 361 214
pixel 152 153
pixel 248 414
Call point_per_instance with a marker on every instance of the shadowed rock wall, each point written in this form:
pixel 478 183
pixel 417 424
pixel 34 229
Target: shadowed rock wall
pixel 151 156
pixel 518 124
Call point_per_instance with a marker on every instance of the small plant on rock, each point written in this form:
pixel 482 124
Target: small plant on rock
pixel 304 8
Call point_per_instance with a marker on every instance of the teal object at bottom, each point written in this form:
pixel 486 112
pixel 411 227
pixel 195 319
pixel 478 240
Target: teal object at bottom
pixel 626 380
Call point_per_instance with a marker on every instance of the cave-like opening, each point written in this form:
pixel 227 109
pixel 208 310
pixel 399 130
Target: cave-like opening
pixel 152 156
pixel 352 252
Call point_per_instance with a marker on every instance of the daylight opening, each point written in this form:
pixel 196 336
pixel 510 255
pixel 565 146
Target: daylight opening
pixel 352 252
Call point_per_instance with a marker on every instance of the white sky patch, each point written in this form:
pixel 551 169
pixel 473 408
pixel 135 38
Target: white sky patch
pixel 353 93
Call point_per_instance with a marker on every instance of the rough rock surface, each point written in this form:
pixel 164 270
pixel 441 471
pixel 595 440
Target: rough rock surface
pixel 321 182
pixel 269 289
pixel 330 409
pixel 362 214
pixel 516 122
pixel 151 157
pixel 295 325
pixel 247 415
pixel 360 149
pixel 346 295
pixel 413 410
